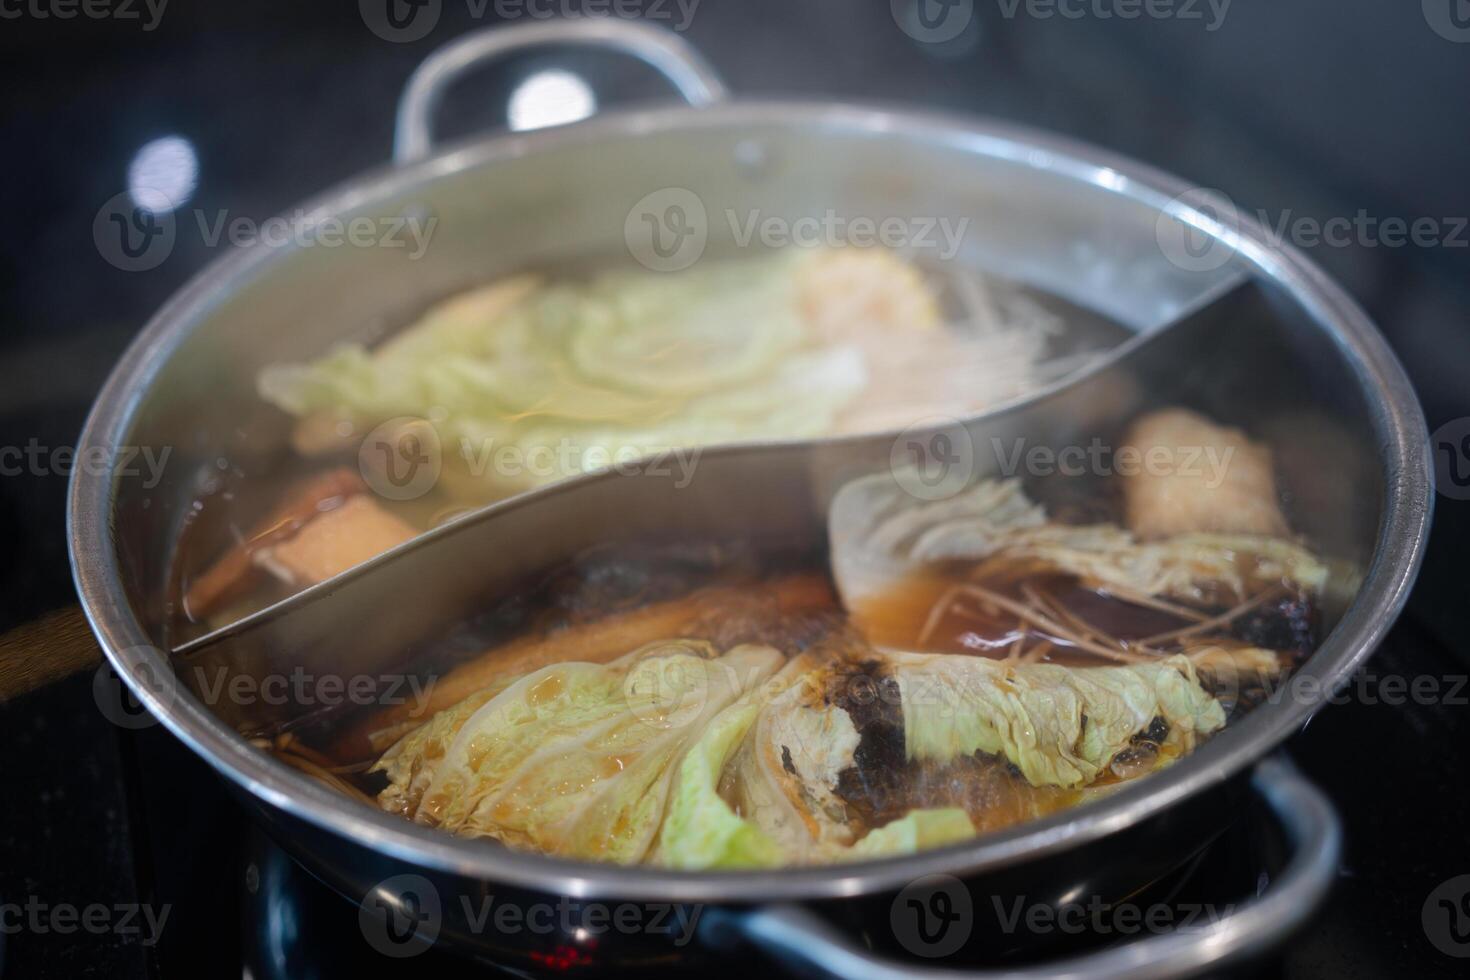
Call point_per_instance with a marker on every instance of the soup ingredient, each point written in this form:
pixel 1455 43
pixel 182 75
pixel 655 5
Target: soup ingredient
pixel 816 738
pixel 453 325
pixel 334 541
pixel 910 736
pixel 728 614
pixel 1198 477
pixel 676 755
pixel 856 295
pixel 882 535
pixel 684 336
pixel 575 758
pixel 917 365
pixel 716 818
pixel 579 375
pixel 622 366
pixel 690 758
pixel 1060 726
pixel 237 569
pixel 988 572
pixel 413 761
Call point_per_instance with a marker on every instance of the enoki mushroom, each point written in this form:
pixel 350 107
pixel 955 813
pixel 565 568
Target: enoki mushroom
pixel 1039 611
pixel 1048 625
pixel 303 758
pixel 1224 619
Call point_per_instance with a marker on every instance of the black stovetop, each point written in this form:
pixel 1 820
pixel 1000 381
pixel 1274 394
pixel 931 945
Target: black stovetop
pixel 1313 112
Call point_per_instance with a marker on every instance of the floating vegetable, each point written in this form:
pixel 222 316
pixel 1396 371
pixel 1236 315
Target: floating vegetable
pixel 881 534
pixel 626 365
pixel 575 758
pixel 709 761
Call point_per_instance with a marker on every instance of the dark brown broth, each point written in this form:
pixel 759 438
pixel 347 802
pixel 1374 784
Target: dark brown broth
pixel 901 617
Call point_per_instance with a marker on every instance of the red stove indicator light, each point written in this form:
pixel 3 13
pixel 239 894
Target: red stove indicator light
pixel 562 958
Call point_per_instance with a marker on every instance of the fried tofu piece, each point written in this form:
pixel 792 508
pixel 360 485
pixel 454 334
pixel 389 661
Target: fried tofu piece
pixel 335 541
pixel 236 570
pixel 1196 476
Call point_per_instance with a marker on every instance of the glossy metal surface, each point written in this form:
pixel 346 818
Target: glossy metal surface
pixel 684 67
pixel 1065 218
pixel 1111 868
pixel 805 942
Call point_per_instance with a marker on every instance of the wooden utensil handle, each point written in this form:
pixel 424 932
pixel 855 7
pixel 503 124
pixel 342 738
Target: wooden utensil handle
pixel 45 650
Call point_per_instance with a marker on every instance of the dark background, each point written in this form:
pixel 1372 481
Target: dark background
pixel 1302 109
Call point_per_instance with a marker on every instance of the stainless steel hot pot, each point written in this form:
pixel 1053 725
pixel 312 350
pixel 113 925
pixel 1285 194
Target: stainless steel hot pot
pixel 1069 219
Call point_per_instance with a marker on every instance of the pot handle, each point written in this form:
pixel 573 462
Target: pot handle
pixel 38 653
pixel 674 58
pixel 804 941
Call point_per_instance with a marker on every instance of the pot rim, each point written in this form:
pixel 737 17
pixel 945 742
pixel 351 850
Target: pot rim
pixel 1396 416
